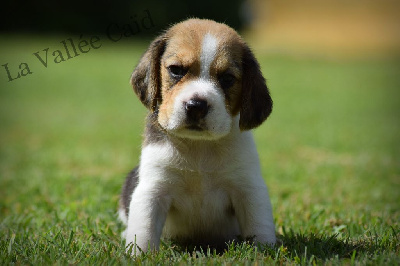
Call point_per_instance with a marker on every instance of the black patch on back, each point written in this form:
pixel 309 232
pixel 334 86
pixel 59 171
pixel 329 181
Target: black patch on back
pixel 129 186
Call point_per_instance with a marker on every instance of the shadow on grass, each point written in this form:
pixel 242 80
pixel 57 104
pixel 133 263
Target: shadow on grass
pixel 324 247
pixel 299 248
pixel 306 248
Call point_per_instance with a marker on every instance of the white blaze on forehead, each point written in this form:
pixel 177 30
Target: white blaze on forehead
pixel 208 52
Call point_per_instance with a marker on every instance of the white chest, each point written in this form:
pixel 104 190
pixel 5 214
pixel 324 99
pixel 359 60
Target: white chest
pixel 200 206
pixel 199 182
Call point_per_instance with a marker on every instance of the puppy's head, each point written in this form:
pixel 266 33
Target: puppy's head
pixel 197 77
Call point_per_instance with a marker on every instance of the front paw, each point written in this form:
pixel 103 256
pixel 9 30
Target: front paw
pixel 265 239
pixel 133 249
pixel 137 245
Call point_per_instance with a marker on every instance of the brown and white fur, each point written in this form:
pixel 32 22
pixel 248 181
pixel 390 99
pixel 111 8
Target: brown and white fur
pixel 199 180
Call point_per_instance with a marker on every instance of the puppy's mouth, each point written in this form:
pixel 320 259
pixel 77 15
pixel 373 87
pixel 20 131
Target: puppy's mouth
pixel 195 128
pixel 198 125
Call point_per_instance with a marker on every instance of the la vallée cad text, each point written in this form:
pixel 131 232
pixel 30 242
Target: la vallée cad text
pixel 73 47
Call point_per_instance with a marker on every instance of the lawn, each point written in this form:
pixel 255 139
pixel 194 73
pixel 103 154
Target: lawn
pixel 69 132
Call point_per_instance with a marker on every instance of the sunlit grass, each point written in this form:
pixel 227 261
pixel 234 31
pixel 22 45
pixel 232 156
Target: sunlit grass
pixel 70 132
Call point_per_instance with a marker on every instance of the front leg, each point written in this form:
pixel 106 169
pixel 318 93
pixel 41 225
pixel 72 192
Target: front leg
pixel 147 213
pixel 254 212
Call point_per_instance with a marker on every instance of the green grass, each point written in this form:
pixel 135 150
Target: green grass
pixel 69 133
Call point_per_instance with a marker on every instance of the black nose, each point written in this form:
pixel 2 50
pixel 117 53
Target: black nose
pixel 196 109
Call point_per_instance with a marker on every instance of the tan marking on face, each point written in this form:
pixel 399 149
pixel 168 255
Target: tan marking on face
pixel 228 60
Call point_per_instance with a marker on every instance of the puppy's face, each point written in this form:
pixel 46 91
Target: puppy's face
pixel 198 77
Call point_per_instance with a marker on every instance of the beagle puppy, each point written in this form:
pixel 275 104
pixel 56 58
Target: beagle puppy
pixel 199 180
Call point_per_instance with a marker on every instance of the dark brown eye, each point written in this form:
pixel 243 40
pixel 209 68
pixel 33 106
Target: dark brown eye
pixel 226 80
pixel 177 72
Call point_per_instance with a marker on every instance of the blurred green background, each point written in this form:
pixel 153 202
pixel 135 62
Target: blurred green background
pixel 329 153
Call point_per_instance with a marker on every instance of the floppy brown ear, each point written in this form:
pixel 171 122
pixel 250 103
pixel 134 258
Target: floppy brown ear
pixel 145 79
pixel 256 103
